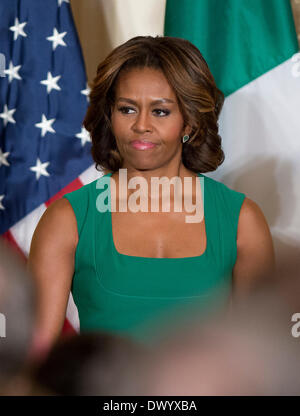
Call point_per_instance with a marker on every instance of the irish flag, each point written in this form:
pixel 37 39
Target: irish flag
pixel 251 48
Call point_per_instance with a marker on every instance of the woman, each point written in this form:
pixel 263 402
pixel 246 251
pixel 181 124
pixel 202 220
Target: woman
pixel 153 112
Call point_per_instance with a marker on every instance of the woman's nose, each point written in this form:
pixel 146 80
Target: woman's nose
pixel 142 121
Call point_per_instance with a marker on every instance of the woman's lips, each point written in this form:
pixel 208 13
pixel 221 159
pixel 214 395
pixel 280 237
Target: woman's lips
pixel 140 145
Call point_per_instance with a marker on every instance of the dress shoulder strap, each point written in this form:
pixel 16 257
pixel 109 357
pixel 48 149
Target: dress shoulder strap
pixel 228 201
pixel 79 201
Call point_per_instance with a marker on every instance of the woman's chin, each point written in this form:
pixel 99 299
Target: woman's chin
pixel 143 165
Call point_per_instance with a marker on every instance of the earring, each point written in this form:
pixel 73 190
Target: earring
pixel 185 138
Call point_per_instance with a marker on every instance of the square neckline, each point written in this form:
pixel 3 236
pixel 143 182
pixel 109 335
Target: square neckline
pixel 159 259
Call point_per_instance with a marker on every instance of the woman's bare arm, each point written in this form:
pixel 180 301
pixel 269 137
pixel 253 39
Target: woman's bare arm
pixel 51 263
pixel 255 263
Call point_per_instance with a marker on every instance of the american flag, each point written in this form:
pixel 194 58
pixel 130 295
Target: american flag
pixel 44 149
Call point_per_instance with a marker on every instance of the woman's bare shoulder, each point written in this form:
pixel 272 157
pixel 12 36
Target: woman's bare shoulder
pixel 252 222
pixel 255 251
pixel 58 223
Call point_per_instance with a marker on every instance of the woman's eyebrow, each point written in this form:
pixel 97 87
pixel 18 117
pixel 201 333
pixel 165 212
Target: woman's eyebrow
pixel 159 101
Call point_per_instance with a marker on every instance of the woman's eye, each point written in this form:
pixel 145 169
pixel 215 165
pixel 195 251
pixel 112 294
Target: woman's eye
pixel 158 111
pixel 161 110
pixel 124 110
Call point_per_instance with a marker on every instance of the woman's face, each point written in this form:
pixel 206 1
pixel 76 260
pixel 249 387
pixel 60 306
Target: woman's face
pixel 146 109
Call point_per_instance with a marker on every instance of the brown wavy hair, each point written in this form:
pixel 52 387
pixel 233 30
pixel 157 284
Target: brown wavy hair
pixel 199 99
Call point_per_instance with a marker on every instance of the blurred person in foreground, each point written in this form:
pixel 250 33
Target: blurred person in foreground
pixel 17 308
pixel 96 364
pixel 250 350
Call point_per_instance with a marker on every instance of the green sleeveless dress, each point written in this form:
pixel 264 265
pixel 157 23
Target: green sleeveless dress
pixel 142 297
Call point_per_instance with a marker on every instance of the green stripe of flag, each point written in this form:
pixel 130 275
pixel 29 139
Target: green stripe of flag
pixel 240 39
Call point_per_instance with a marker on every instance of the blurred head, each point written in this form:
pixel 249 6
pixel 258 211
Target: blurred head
pixel 155 89
pixel 17 308
pixel 93 364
